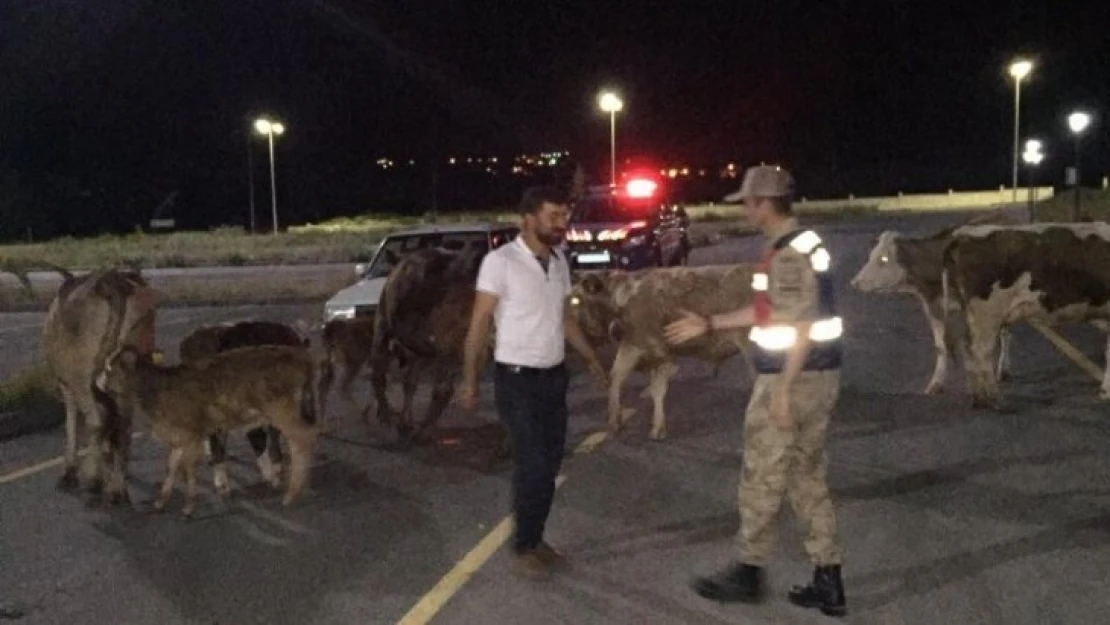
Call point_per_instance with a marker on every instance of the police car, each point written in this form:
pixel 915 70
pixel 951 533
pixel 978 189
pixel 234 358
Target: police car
pixel 361 298
pixel 630 226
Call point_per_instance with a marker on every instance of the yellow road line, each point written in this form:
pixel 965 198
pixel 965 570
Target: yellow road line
pixel 431 603
pixel 1068 350
pixel 31 470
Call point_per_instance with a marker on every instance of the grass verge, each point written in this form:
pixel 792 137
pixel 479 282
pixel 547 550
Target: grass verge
pixel 28 402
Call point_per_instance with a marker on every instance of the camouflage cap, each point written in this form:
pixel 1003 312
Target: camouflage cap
pixel 764 181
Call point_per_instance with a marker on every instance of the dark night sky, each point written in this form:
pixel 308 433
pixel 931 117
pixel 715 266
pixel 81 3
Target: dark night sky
pixel 118 102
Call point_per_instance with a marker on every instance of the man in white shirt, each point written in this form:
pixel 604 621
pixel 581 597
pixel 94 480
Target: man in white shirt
pixel 522 287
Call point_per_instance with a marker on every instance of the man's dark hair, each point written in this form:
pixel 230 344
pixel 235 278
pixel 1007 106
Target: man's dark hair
pixel 536 197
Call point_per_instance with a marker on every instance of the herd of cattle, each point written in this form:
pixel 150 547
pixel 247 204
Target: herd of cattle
pixel 262 377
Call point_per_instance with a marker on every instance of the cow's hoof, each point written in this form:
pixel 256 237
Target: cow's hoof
pixel 224 491
pixel 994 404
pixel 187 514
pixel 95 486
pixel 159 503
pixel 658 434
pixel 119 498
pixel 1104 393
pixel 1005 376
pixel 68 482
pixel 287 501
pixel 935 388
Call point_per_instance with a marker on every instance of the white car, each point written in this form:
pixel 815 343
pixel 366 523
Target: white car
pixel 361 298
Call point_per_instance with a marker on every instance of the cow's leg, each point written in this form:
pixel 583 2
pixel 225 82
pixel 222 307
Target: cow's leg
pixel 119 441
pixel 173 463
pixel 261 439
pixel 623 365
pixel 408 385
pixel 188 460
pixel 217 457
pixel 301 446
pixel 1104 392
pixel 69 480
pixel 660 377
pixel 274 453
pixel 379 381
pixel 940 349
pixel 982 328
pixel 1003 372
pixel 93 465
pixel 442 391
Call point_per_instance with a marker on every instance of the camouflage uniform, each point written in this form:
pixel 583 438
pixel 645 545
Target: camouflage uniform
pixel 790 463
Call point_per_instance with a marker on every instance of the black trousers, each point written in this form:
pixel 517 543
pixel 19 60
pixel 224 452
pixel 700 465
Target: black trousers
pixel 532 403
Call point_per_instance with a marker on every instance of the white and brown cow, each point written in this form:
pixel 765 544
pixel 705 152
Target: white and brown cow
pixel 1051 272
pixel 915 265
pixel 633 309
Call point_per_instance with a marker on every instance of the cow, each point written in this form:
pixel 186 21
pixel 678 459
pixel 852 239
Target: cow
pixel 237 388
pixel 90 317
pixel 421 321
pixel 1048 272
pixel 199 348
pixel 901 264
pixel 633 309
pixel 346 344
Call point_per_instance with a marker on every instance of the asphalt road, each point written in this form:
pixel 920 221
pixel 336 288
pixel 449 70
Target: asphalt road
pixel 948 515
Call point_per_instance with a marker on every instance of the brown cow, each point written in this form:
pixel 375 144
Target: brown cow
pixel 632 309
pixel 203 344
pixel 422 320
pixel 901 264
pixel 90 317
pixel 238 388
pixel 1049 272
pixel 347 344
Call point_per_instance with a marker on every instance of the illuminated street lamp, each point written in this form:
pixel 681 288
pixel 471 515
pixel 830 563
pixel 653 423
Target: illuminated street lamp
pixel 1032 157
pixel 611 104
pixel 1019 70
pixel 270 128
pixel 1077 122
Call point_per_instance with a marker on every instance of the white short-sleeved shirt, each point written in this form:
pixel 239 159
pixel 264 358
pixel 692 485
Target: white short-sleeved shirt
pixel 530 305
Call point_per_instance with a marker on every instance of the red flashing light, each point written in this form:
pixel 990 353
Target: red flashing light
pixel 641 187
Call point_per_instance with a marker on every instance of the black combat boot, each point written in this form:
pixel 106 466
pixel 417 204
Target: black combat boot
pixel 825 593
pixel 738 582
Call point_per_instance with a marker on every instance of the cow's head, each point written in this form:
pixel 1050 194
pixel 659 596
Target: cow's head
pixel 882 272
pixel 591 302
pixel 118 378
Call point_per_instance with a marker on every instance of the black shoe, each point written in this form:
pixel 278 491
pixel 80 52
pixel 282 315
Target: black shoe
pixel 826 592
pixel 739 582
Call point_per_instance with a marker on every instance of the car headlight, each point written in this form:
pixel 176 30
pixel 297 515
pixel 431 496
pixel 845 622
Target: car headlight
pixel 636 240
pixel 340 313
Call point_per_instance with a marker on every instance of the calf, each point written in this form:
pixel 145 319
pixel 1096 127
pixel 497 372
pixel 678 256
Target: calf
pixel 238 388
pixel 347 344
pixel 901 264
pixel 1049 272
pixel 90 317
pixel 197 350
pixel 633 309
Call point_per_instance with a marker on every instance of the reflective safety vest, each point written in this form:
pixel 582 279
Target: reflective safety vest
pixel 771 341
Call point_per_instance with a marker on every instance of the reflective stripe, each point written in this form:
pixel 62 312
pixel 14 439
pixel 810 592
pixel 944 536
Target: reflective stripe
pixel 805 242
pixel 759 281
pixel 778 338
pixel 820 260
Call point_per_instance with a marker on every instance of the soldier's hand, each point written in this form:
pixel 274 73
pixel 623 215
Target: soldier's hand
pixel 690 326
pixel 780 411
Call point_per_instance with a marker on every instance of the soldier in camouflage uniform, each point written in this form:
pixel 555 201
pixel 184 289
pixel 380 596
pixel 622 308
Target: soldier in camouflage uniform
pixel 796 335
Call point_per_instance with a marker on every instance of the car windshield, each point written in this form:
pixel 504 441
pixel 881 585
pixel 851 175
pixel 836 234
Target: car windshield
pixel 607 209
pixel 395 247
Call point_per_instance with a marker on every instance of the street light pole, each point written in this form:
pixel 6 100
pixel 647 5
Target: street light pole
pixel 269 128
pixel 1019 70
pixel 612 104
pixel 1032 157
pixel 1078 122
pixel 273 181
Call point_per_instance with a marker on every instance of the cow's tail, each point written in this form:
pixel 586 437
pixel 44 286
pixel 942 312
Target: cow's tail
pixel 66 274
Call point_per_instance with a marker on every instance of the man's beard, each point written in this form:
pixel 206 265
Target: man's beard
pixel 552 238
